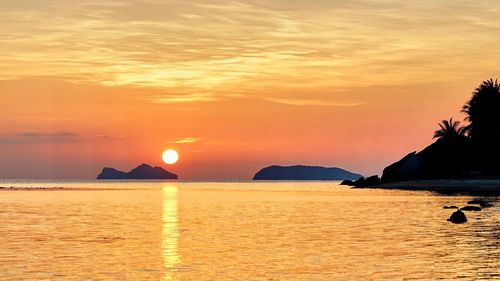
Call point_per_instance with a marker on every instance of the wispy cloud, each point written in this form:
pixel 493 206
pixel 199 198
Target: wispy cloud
pixel 33 137
pixel 310 102
pixel 193 47
pixel 182 98
pixel 186 140
pixel 30 137
pixel 48 135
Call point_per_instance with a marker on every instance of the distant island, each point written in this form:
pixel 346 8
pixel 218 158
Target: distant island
pixel 142 172
pixel 304 173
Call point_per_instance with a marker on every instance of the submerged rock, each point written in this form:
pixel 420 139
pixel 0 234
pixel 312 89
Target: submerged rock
pixel 450 207
pixel 471 208
pixel 480 202
pixel 476 201
pixel 458 217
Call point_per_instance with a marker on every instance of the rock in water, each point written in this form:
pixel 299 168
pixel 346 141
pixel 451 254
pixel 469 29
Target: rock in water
pixel 458 217
pixel 369 181
pixel 471 208
pixel 347 182
pixel 481 202
pixel 477 201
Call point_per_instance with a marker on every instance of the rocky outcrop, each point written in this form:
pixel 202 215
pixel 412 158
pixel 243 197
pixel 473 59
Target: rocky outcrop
pixel 402 169
pixel 142 172
pixel 446 158
pixel 304 173
pixel 365 182
pixel 347 182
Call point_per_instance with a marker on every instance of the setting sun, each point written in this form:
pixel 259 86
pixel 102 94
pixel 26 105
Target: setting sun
pixel 170 156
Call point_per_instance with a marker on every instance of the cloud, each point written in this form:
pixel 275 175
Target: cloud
pixel 182 98
pixel 30 137
pixel 48 135
pixel 310 102
pixel 186 140
pixel 216 46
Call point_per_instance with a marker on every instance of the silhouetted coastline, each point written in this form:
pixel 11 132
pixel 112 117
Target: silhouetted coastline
pixel 463 159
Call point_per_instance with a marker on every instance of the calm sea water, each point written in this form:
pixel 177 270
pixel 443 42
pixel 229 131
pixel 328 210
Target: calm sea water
pixel 240 231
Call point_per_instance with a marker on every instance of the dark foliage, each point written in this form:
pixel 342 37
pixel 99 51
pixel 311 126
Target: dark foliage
pixel 449 129
pixel 483 113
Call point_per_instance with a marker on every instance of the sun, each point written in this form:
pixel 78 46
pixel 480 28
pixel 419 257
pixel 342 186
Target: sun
pixel 170 156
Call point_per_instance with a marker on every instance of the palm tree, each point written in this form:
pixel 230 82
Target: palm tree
pixel 483 113
pixel 448 129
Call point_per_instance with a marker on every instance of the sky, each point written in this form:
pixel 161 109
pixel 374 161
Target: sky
pixel 233 86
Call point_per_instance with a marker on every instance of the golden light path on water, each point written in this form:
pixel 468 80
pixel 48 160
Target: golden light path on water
pixel 170 232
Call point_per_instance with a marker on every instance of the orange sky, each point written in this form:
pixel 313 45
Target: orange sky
pixel 233 85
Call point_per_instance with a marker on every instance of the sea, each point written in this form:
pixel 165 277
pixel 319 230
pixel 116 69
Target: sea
pixel 153 230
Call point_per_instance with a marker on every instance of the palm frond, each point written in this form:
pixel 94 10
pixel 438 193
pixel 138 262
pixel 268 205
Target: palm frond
pixel 449 128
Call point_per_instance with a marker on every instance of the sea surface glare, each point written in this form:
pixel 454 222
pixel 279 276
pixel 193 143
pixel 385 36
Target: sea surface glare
pixel 240 231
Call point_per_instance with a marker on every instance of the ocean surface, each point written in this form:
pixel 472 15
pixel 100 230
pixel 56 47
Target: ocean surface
pixel 240 231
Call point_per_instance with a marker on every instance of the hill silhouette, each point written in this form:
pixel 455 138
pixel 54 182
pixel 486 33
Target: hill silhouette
pixel 445 158
pixel 304 173
pixel 142 172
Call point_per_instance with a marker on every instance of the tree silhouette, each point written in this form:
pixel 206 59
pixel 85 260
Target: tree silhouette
pixel 449 129
pixel 483 113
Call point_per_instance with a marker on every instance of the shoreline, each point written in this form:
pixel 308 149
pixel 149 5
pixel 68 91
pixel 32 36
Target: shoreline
pixel 25 188
pixel 482 187
pixel 8 188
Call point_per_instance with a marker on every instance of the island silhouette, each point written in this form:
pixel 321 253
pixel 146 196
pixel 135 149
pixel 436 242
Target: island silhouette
pixel 141 172
pixel 301 172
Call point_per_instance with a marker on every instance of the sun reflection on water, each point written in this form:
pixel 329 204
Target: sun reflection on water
pixel 170 232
